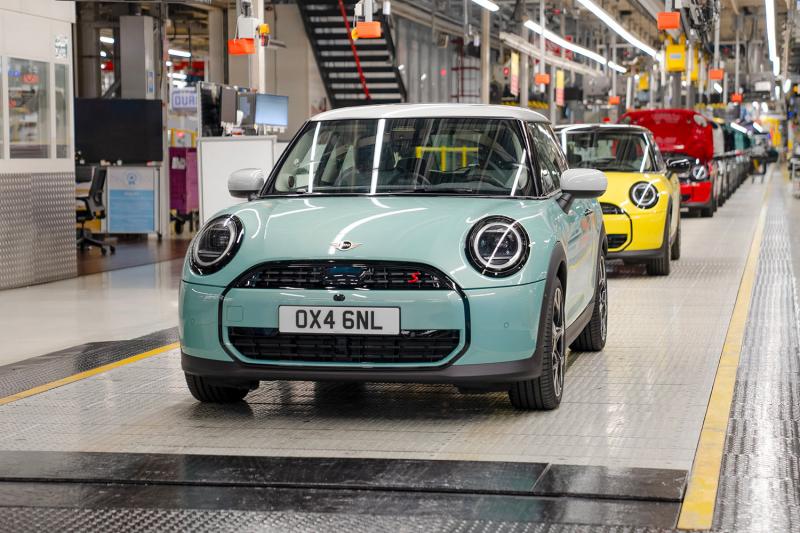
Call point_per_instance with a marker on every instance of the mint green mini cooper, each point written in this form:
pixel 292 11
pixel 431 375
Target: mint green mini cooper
pixel 401 243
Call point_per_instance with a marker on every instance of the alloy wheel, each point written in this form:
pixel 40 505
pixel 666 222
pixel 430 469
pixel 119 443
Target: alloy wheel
pixel 559 343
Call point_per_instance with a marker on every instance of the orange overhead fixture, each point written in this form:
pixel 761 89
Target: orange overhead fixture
pixel 736 98
pixel 241 47
pixel 367 30
pixel 716 74
pixel 669 20
pixel 542 78
pixel 613 100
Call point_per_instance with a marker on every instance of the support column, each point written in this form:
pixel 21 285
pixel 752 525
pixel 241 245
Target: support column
pixel 736 68
pixel 542 47
pixel 258 67
pixel 524 72
pixel 88 67
pixel 486 46
pixel 216 47
pixel 689 67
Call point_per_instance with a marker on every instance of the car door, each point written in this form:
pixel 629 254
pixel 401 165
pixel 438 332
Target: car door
pixel 572 224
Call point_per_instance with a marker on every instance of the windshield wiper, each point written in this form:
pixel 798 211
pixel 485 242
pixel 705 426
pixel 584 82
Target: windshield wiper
pixel 429 190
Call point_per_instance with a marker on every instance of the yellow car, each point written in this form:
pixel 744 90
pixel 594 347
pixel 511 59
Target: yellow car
pixel 641 207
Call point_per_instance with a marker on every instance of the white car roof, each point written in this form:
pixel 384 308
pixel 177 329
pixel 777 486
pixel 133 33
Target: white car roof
pixel 431 111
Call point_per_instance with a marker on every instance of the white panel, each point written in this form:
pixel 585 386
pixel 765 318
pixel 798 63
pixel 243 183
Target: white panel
pixel 52 9
pixel 218 157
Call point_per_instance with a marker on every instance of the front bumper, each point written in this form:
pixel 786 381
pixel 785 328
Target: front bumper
pixel 497 326
pixel 639 234
pixel 696 193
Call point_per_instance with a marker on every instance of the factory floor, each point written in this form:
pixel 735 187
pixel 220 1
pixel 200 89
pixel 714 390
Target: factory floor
pixel 687 419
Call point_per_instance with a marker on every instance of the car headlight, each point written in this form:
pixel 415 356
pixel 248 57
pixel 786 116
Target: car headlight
pixel 644 195
pixel 216 244
pixel 498 246
pixel 699 172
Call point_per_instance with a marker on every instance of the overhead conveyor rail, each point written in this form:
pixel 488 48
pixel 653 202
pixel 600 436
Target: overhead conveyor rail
pixel 354 72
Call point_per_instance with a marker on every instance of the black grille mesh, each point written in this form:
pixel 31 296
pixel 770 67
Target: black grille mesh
pixel 610 209
pixel 343 275
pixel 413 346
pixel 615 240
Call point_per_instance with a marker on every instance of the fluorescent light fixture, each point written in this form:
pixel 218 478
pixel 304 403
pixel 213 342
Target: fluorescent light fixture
pixel 777 92
pixel 106 40
pixel 718 87
pixel 773 48
pixel 618 68
pixel 103 53
pixel 758 127
pixel 787 85
pixel 168 63
pixel 614 25
pixel 738 127
pixel 487 4
pixel 177 75
pixel 179 84
pixel 560 41
pixel 764 107
pixel 179 53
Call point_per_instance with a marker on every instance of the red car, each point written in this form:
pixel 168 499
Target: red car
pixel 685 133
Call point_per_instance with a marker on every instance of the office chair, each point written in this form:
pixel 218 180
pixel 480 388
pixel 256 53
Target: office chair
pixel 94 210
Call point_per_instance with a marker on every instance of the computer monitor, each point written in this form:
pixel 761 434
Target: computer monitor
pixel 228 105
pixel 272 110
pixel 247 107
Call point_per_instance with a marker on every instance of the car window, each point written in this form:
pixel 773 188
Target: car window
pixel 407 156
pixel 657 156
pixel 551 160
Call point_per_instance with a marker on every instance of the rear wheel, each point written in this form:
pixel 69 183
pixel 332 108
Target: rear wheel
pixel 593 336
pixel 660 266
pixel 545 391
pixel 207 392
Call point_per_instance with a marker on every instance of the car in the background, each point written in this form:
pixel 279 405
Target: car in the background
pixel 401 243
pixel 684 133
pixel 641 206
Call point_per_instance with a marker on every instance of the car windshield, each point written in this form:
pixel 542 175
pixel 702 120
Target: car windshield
pixel 619 151
pixel 459 156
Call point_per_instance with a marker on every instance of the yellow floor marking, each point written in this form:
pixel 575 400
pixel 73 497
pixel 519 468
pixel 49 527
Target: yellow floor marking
pixel 87 374
pixel 697 511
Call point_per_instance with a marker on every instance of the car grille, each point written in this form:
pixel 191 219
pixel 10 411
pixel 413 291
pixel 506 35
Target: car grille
pixel 412 346
pixel 610 209
pixel 615 240
pixel 344 275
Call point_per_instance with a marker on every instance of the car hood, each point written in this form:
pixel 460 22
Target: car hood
pixel 392 228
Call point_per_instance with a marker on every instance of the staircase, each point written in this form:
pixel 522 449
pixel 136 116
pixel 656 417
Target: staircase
pixel 377 81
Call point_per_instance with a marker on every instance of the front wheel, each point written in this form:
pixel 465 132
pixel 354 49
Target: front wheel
pixel 207 392
pixel 660 266
pixel 593 336
pixel 675 250
pixel 545 391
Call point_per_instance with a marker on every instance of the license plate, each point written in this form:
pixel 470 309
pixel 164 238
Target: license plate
pixel 348 320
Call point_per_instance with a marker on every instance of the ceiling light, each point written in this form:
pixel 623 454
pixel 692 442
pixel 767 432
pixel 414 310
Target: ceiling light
pixel 552 37
pixel 764 107
pixel 401 67
pixel 107 40
pixel 103 53
pixel 614 25
pixel 177 75
pixel 738 127
pixel 787 85
pixel 168 63
pixel 758 127
pixel 179 53
pixel 487 4
pixel 618 68
pixel 718 87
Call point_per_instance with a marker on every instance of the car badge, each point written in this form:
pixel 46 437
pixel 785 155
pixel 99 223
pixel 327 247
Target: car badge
pixel 345 245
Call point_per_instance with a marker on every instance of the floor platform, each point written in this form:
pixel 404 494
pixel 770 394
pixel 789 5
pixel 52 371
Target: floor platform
pixel 305 456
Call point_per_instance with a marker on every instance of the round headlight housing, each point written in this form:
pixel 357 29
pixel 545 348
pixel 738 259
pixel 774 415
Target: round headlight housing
pixel 644 195
pixel 498 246
pixel 699 172
pixel 216 244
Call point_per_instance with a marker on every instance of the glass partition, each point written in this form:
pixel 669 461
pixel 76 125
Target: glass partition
pixel 28 109
pixel 62 94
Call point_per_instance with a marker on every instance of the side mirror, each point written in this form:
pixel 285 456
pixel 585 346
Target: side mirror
pixel 679 166
pixel 581 183
pixel 246 182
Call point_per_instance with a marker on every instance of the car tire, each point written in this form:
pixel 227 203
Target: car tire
pixel 707 212
pixel 593 336
pixel 206 392
pixel 660 266
pixel 675 249
pixel 544 392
